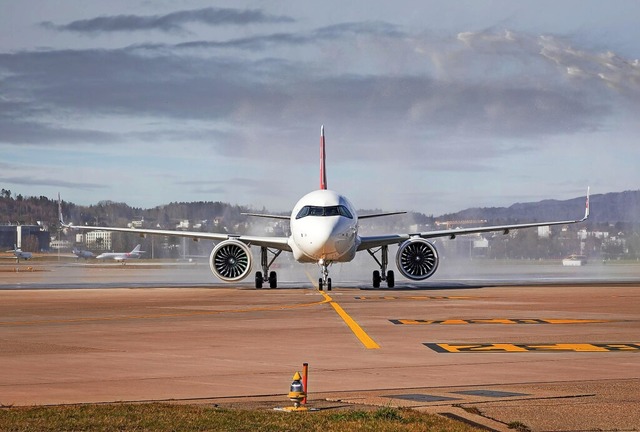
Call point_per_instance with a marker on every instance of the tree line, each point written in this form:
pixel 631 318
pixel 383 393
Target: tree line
pixel 623 209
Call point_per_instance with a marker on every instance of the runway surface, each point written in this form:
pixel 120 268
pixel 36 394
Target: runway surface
pixel 550 347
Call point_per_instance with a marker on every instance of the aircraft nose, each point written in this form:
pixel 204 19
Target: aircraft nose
pixel 325 240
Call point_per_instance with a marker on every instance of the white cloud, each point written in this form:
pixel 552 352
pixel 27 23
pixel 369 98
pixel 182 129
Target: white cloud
pixel 400 99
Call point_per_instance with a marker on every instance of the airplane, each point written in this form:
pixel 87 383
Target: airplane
pixel 19 254
pixel 122 256
pixel 324 230
pixel 80 253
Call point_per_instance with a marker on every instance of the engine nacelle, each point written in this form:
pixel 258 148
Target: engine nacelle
pixel 231 260
pixel 417 259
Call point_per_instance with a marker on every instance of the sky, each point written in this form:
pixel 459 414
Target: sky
pixel 428 106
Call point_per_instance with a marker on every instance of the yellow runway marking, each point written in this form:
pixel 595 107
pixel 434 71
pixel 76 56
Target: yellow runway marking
pixel 364 338
pixel 550 347
pixel 414 298
pixel 499 321
pixel 163 315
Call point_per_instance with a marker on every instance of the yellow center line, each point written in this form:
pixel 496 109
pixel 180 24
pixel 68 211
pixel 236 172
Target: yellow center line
pixel 364 338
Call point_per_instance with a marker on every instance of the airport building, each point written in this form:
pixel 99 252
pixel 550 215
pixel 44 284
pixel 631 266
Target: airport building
pixel 32 238
pixel 60 244
pixel 96 240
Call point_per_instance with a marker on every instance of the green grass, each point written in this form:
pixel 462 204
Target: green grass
pixel 168 417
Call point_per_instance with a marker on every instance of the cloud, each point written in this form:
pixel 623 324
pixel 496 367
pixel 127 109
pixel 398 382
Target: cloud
pixel 295 39
pixel 36 133
pixel 621 74
pixel 50 182
pixel 172 22
pixel 487 87
pixel 607 68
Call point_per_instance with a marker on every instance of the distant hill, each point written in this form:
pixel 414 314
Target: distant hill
pixel 610 207
pixel 605 208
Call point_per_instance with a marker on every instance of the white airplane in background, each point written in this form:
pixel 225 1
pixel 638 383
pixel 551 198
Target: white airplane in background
pixel 19 254
pixel 122 256
pixel 324 230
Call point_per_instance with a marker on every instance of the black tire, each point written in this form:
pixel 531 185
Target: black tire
pixel 273 280
pixel 259 280
pixel 320 284
pixel 391 279
pixel 329 284
pixel 376 279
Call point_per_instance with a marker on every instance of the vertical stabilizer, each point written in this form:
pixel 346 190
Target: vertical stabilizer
pixel 323 171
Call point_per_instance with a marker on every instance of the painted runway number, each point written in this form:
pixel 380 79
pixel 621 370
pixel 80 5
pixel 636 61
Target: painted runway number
pixel 539 347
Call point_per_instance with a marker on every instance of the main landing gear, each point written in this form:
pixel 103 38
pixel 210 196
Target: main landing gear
pixel 266 263
pixel 325 280
pixel 383 262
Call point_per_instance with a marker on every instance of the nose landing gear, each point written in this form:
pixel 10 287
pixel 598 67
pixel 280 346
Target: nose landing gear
pixel 325 280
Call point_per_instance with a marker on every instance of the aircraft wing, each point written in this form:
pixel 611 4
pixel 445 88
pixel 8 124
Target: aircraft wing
pixel 369 242
pixel 267 216
pixel 280 243
pixel 375 215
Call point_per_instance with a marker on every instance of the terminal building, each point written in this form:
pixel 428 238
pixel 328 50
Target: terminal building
pixel 95 240
pixel 31 238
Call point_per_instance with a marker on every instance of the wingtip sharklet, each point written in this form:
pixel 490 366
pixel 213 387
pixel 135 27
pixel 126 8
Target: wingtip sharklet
pixel 60 219
pixel 586 206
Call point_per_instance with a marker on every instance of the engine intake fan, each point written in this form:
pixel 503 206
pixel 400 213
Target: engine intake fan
pixel 230 260
pixel 417 259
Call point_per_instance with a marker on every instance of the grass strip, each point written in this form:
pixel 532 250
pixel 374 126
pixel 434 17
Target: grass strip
pixel 172 417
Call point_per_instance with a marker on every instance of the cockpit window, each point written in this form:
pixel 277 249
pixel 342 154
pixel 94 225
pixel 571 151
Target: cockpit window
pixel 338 210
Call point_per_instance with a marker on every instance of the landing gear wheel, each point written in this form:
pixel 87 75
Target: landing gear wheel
pixel 329 284
pixel 391 279
pixel 273 280
pixel 376 279
pixel 320 284
pixel 259 280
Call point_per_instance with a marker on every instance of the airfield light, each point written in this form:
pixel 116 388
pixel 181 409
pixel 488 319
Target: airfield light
pixel 297 392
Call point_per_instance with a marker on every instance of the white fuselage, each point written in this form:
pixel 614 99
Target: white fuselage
pixel 324 227
pixel 118 256
pixel 22 255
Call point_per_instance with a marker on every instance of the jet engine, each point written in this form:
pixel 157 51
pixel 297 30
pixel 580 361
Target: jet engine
pixel 230 260
pixel 417 259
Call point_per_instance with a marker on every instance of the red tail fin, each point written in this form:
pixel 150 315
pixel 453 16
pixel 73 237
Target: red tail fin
pixel 323 171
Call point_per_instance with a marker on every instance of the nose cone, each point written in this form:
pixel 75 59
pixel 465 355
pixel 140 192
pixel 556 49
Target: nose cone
pixel 321 240
pixel 328 238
